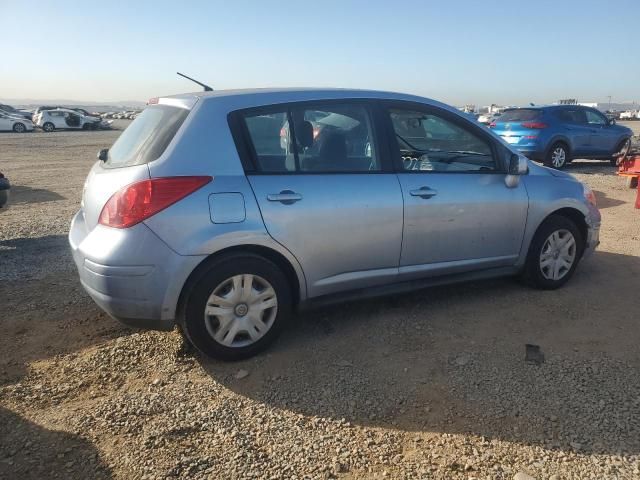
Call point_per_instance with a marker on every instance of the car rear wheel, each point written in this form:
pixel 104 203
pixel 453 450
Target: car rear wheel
pixel 48 127
pixel 554 253
pixel 557 156
pixel 19 127
pixel 621 152
pixel 237 307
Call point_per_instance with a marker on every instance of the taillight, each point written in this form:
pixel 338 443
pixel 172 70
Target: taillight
pixel 492 125
pixel 534 125
pixel 136 202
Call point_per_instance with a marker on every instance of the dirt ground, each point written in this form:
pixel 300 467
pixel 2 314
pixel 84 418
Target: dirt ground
pixel 431 384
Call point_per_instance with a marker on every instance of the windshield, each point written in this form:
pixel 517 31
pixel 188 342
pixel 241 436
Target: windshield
pixel 520 115
pixel 147 137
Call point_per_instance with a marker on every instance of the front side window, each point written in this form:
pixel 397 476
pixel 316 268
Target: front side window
pixel 594 118
pixel 320 139
pixel 431 143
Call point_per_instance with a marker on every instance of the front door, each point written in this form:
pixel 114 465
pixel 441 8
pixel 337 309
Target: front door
pixel 326 194
pixel 603 137
pixel 576 128
pixel 5 122
pixel 458 213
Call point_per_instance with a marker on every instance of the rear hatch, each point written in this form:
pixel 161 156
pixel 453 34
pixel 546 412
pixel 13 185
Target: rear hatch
pixel 143 141
pixel 515 124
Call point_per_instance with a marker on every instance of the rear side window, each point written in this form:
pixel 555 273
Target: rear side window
pixel 147 137
pixel 319 139
pixel 571 115
pixel 520 115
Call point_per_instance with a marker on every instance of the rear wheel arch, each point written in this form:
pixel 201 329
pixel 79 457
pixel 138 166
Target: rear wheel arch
pixel 251 249
pixel 563 140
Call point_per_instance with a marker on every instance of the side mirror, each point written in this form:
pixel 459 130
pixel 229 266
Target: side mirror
pixel 612 121
pixel 103 154
pixel 518 165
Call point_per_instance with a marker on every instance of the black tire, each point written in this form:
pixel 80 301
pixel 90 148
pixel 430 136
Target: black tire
pixel 532 273
pixel 192 315
pixel 48 127
pixel 621 152
pixel 19 127
pixel 549 160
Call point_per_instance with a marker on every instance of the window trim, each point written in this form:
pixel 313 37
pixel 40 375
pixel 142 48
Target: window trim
pixel 248 155
pixel 428 109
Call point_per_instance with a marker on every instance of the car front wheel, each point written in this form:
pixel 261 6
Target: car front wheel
pixel 19 127
pixel 558 156
pixel 237 307
pixel 621 152
pixel 554 253
pixel 48 127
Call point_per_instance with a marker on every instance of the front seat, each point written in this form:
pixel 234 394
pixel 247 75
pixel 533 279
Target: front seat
pixel 332 153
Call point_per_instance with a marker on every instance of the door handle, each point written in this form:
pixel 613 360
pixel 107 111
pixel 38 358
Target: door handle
pixel 287 197
pixel 424 192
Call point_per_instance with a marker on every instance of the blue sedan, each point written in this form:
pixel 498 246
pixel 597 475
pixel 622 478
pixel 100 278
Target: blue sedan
pixel 556 134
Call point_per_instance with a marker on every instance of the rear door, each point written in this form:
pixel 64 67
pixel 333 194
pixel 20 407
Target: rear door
pixel 459 215
pixel 325 188
pixel 144 140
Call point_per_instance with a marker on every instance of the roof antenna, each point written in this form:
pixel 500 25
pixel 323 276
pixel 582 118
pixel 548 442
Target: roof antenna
pixel 207 88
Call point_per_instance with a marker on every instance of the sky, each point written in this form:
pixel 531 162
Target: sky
pixel 456 51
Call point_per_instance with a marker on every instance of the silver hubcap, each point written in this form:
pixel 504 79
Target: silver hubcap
pixel 558 157
pixel 48 127
pixel 241 310
pixel 625 149
pixel 19 128
pixel 557 255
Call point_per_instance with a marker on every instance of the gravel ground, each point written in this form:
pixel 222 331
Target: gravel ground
pixel 427 385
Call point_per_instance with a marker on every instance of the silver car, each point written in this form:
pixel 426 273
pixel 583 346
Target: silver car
pixel 225 212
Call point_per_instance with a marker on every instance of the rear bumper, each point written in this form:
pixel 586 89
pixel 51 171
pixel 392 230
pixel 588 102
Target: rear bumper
pixel 130 273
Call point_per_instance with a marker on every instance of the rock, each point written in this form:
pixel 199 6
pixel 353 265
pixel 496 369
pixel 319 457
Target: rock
pixel 344 363
pixel 240 374
pixel 523 476
pixel 462 360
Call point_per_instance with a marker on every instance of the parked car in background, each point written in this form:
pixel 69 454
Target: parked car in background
pixel 64 118
pixel 488 118
pixel 37 111
pixel 199 216
pixel 630 115
pixel 5 187
pixel 16 124
pixel 14 111
pixel 557 134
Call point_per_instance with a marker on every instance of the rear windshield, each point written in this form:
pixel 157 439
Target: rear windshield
pixel 520 115
pixel 147 137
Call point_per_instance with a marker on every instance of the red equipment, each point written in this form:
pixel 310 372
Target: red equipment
pixel 629 167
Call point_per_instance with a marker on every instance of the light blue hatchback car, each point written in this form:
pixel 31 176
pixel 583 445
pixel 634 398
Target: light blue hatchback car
pixel 224 212
pixel 556 134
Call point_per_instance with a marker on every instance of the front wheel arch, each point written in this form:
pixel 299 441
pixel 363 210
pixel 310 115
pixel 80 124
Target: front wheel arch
pixel 576 216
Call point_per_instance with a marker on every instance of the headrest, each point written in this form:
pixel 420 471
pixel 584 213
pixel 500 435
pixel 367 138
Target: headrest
pixel 304 133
